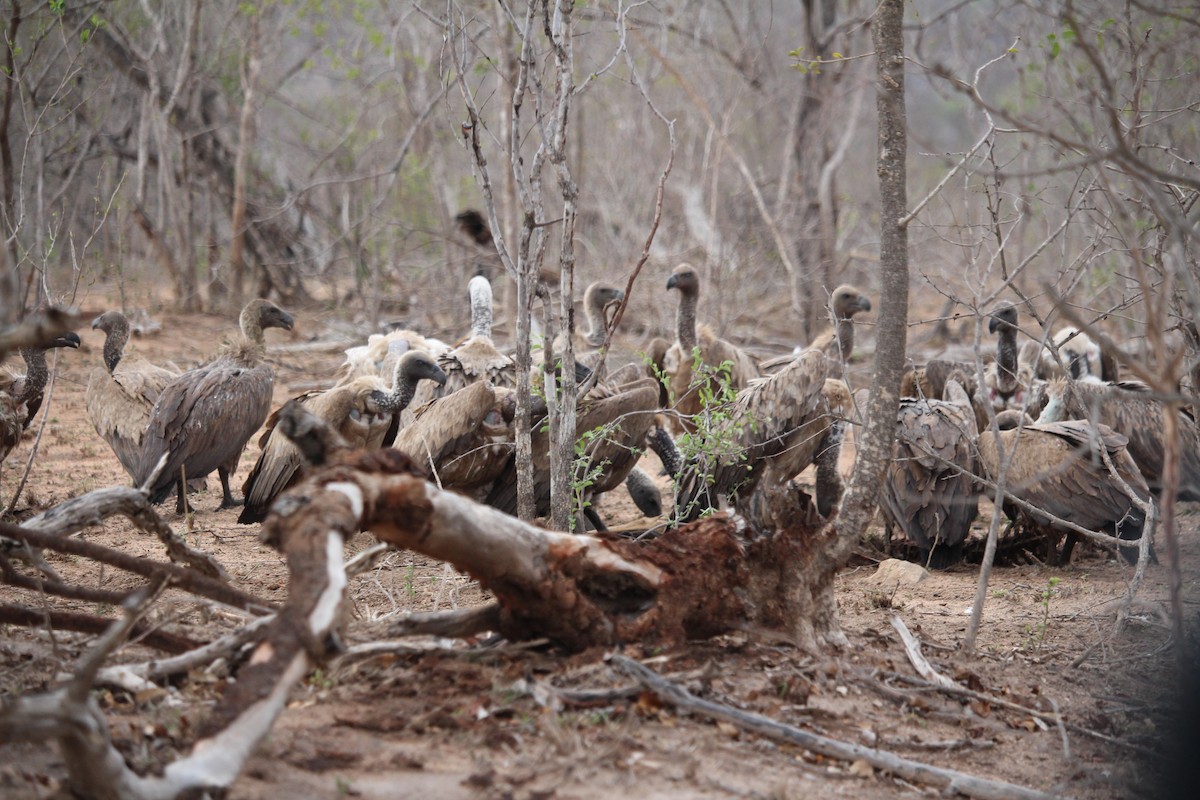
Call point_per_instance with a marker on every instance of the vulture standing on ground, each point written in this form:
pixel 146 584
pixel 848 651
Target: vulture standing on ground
pixel 363 412
pixel 715 354
pixel 928 490
pixel 778 426
pixel 1130 410
pixel 203 419
pixel 21 393
pixel 1057 467
pixel 121 393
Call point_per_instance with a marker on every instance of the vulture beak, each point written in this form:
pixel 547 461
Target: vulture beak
pixel 438 375
pixel 68 339
pixel 287 322
pixel 96 322
pixel 993 324
pixel 672 281
pixel 864 303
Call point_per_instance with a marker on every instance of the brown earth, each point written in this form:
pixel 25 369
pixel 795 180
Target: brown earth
pixel 450 719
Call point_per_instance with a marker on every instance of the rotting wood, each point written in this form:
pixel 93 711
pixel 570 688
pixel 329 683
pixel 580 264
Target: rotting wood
pixel 947 780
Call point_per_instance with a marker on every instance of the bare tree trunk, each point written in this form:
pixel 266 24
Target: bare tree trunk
pixel 875 446
pixel 8 212
pixel 562 424
pixel 237 247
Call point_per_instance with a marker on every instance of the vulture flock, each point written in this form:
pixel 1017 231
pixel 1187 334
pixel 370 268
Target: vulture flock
pixel 1050 428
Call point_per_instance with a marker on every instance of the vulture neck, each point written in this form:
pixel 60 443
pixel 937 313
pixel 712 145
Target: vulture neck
pixel 114 344
pixel 843 331
pixel 404 390
pixel 668 453
pixel 1006 360
pixel 36 374
pixel 481 307
pixel 252 348
pixel 686 322
pixel 596 324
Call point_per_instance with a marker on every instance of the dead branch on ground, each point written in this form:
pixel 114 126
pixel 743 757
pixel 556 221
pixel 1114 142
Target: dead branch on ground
pixel 946 779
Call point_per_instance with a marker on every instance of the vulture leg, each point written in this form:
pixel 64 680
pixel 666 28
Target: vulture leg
pixel 594 517
pixel 181 503
pixel 227 500
pixel 1068 546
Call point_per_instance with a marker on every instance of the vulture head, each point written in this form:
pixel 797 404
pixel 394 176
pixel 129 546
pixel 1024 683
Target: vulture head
pixel 599 295
pixel 258 315
pixel 685 279
pixel 1003 317
pixel 848 301
pixel 116 332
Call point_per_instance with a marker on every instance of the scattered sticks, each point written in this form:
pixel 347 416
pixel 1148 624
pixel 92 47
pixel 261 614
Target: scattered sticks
pixel 947 780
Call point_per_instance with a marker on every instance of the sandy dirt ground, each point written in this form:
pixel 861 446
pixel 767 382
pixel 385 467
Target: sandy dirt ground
pixel 446 719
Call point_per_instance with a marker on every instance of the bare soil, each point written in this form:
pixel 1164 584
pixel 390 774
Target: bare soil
pixel 450 719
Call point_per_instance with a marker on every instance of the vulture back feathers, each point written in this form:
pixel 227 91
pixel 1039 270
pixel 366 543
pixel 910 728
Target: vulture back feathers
pixel 928 490
pixel 203 419
pixel 1057 467
pixel 1129 409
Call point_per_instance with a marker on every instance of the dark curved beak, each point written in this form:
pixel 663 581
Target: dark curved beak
pixel 287 322
pixel 672 281
pixel 69 339
pixel 864 304
pixel 438 375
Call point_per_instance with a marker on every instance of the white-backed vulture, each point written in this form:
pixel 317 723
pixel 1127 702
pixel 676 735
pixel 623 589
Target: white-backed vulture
pixel 776 427
pixel 477 358
pixel 1057 467
pixel 21 392
pixel 203 419
pixel 1130 410
pixel 618 423
pixel 720 360
pixel 928 490
pixel 379 355
pixel 121 393
pixel 464 439
pixel 363 412
pixel 1081 358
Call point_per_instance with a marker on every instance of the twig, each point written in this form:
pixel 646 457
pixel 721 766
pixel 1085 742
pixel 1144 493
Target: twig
pixel 913 648
pixel 947 780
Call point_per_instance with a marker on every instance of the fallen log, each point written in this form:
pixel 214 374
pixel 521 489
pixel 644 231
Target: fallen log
pixel 703 579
